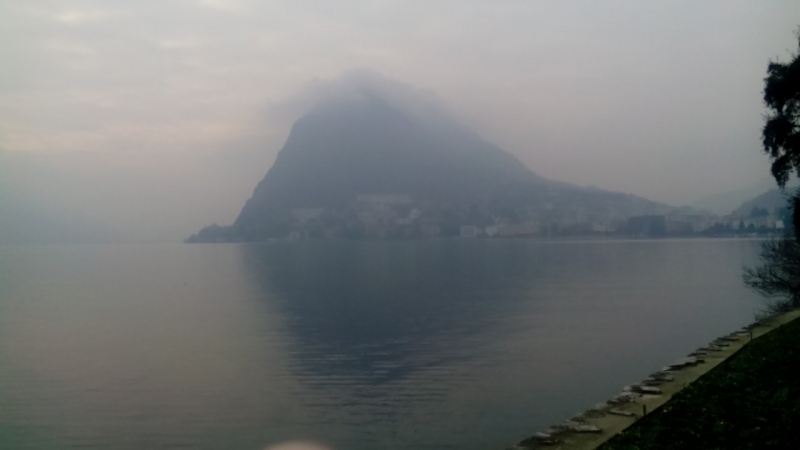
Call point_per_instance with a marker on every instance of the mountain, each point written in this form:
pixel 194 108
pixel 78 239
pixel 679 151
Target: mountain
pixel 339 151
pixel 344 156
pixel 770 201
pixel 725 202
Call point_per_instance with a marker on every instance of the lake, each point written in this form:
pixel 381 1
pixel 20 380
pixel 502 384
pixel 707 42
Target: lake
pixel 449 344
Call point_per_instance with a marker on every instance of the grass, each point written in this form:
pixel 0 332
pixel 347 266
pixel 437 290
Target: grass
pixel 750 401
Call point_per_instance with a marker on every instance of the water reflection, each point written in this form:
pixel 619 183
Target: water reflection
pixel 466 343
pixel 388 338
pixel 380 312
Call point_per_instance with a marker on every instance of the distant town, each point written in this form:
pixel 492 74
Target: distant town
pixel 398 216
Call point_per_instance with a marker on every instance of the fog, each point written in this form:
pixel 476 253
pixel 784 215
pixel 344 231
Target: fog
pixel 157 118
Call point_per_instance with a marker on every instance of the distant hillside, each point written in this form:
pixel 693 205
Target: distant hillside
pixel 347 149
pixel 725 202
pixel 770 200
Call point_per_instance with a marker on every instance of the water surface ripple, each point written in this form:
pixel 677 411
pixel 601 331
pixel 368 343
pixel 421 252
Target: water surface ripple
pixel 467 344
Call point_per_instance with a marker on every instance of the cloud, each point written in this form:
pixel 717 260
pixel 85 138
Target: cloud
pixel 116 137
pixel 228 6
pixel 659 99
pixel 179 43
pixel 80 17
pixel 68 47
pixel 357 85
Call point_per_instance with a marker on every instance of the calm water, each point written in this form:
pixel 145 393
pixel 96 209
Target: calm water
pixel 374 345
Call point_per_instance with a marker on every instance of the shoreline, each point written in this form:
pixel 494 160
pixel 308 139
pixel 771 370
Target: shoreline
pixel 543 239
pixel 593 427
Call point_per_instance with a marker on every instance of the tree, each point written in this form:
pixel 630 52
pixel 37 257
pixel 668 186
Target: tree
pixel 781 133
pixel 778 276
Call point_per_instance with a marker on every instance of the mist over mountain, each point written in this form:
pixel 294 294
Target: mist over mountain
pixel 344 149
pixel 770 200
pixel 725 202
pixel 375 137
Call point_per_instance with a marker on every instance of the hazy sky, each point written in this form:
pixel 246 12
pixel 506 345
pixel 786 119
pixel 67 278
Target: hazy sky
pixel 159 117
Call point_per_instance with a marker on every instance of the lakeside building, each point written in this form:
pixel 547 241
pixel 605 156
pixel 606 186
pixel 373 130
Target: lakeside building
pixel 519 229
pixel 430 230
pixel 306 214
pixel 469 231
pixel 398 216
pixel 384 199
pixel 647 225
pixel 492 230
pixel 761 222
pixel 678 227
pixel 770 222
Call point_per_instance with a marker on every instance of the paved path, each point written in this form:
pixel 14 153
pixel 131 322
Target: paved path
pixel 599 424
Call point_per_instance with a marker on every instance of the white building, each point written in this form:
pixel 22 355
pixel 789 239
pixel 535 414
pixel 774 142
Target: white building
pixel 384 199
pixel 306 214
pixel 469 231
